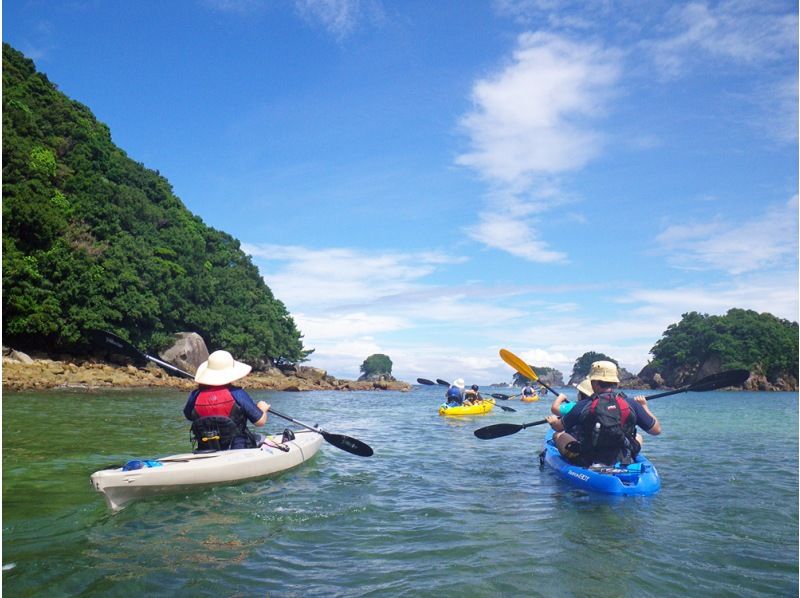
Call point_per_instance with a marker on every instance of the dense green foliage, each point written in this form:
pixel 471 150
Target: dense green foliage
pixel 376 364
pixel 542 372
pixel 739 339
pixel 584 363
pixel 93 239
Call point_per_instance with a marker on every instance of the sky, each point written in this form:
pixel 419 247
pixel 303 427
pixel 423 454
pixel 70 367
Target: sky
pixel 435 181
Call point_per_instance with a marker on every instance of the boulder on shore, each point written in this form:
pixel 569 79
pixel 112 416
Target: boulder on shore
pixel 187 352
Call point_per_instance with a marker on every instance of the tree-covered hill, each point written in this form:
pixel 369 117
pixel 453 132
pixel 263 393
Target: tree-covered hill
pixel 93 239
pixel 702 344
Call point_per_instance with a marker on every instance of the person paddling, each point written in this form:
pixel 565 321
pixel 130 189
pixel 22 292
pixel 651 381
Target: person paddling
pixel 603 429
pixel 561 405
pixel 217 400
pixel 472 396
pixel 455 393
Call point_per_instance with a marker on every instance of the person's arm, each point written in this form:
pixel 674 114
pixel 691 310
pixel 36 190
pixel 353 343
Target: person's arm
pixel 555 407
pixel 655 427
pixel 189 407
pixel 256 412
pixel 264 406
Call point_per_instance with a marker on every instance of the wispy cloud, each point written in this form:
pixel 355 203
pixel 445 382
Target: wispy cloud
pixel 745 32
pixel 510 234
pixel 340 17
pixel 342 276
pixel 239 7
pixel 769 240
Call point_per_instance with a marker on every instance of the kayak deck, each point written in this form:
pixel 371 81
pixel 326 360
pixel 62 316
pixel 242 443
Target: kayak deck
pixel 483 407
pixel 637 479
pixel 191 471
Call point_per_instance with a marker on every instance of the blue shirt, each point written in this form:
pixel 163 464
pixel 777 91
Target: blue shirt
pixel 572 417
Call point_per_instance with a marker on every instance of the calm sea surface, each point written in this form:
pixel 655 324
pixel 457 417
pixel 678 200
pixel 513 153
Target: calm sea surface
pixel 435 512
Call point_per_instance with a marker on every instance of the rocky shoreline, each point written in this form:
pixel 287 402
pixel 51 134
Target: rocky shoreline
pixel 21 372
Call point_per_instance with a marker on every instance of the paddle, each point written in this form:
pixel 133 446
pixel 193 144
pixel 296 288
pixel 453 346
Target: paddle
pixel 523 368
pixel 113 342
pixel 713 382
pixel 442 382
pixel 426 382
pixel 502 397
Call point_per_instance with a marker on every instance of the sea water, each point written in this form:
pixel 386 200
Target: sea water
pixel 435 511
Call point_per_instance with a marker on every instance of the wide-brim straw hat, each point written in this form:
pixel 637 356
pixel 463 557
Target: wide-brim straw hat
pixel 585 386
pixel 459 382
pixel 605 371
pixel 220 369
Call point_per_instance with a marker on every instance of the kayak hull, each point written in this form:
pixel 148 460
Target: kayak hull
pixel 187 472
pixel 531 399
pixel 640 479
pixel 484 407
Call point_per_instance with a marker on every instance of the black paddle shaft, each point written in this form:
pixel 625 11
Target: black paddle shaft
pixel 346 443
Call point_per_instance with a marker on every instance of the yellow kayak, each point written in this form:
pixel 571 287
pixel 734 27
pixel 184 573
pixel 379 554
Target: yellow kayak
pixel 530 399
pixel 484 406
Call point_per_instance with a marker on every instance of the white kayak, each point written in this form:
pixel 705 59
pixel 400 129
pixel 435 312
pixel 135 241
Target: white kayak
pixel 191 471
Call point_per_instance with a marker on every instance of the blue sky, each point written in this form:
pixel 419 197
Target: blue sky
pixel 439 180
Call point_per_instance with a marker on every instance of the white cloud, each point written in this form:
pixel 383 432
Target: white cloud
pixel 319 328
pixel 748 244
pixel 515 236
pixel 530 118
pixel 341 276
pixel 530 122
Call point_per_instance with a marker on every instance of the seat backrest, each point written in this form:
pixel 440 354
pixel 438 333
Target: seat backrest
pixel 213 433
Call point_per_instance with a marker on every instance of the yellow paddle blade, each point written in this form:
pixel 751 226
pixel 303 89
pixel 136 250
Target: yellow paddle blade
pixel 519 365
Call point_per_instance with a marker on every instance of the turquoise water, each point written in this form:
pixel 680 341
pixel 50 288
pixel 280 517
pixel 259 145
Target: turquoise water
pixel 434 512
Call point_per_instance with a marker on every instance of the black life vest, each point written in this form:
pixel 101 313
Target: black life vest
pixel 607 430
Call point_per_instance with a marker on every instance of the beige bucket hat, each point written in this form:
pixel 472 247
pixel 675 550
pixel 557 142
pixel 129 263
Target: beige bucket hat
pixel 585 386
pixel 459 382
pixel 220 369
pixel 605 371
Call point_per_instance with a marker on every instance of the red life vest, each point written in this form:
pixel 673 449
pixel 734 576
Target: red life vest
pixel 217 400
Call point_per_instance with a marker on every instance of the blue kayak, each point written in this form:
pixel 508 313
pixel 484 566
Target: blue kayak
pixel 637 479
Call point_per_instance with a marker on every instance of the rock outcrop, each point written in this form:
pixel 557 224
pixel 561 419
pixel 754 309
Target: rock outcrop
pixel 187 352
pixel 42 372
pixel 652 377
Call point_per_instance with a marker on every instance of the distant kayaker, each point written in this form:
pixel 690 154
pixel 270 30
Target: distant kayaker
pixel 603 429
pixel 561 405
pixel 472 396
pixel 455 393
pixel 216 397
pixel 527 391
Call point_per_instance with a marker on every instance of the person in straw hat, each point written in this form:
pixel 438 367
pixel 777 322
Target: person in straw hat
pixel 603 429
pixel 216 396
pixel 561 405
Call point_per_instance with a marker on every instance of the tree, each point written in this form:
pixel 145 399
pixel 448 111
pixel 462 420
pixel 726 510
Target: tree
pixel 377 364
pixel 93 239
pixel 739 339
pixel 584 363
